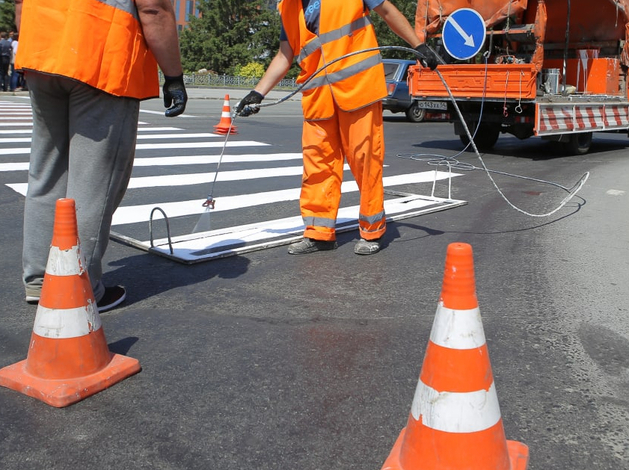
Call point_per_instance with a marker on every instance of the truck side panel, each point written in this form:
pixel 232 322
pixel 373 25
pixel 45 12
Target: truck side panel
pixel 554 119
pixel 513 81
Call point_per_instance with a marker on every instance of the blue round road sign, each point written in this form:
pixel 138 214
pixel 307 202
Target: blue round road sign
pixel 464 33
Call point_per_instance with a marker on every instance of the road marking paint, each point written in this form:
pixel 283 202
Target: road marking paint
pixel 142 212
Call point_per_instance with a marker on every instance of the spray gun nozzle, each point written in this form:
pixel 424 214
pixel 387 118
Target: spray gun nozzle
pixel 209 202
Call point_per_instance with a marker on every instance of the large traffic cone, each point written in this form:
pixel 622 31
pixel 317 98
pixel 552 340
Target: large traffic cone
pixel 455 421
pixel 225 125
pixel 68 358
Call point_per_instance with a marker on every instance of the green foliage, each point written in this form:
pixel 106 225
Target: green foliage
pixel 386 37
pixel 7 15
pixel 251 70
pixel 230 33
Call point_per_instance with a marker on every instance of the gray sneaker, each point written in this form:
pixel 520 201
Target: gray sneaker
pixel 113 297
pixel 310 245
pixel 33 292
pixel 367 247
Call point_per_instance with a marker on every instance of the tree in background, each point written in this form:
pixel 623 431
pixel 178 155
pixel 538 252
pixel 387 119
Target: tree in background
pixel 7 15
pixel 230 33
pixel 386 37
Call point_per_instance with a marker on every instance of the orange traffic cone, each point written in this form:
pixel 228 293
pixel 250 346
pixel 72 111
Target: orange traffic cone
pixel 455 421
pixel 68 358
pixel 225 125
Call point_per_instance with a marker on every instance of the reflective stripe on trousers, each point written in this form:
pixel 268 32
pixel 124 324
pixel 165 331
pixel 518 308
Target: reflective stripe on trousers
pixel 357 137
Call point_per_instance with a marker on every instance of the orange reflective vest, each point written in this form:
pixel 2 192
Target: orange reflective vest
pixel 344 27
pixel 96 42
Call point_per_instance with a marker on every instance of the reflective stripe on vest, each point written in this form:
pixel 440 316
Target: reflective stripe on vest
pixel 99 43
pixel 325 38
pixel 353 82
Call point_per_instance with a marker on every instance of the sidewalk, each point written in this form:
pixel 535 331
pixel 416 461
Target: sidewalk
pixel 206 93
pixel 235 94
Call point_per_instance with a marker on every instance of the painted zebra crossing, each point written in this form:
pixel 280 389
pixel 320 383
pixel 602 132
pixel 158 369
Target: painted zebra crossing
pixel 256 190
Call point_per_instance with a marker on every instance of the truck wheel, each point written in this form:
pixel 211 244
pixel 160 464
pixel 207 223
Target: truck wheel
pixel 486 136
pixel 578 144
pixel 415 114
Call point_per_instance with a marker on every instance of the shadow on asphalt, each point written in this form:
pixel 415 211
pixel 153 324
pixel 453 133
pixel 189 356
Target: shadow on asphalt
pixel 148 275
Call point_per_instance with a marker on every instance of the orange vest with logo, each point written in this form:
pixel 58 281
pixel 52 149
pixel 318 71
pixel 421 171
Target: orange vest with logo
pixel 99 43
pixel 351 83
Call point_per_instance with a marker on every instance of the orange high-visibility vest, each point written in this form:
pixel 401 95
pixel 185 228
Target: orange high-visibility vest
pixel 344 27
pixel 96 42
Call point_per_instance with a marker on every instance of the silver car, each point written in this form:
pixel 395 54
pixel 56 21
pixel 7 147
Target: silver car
pixel 399 98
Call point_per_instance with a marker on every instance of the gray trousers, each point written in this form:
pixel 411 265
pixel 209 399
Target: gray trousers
pixel 82 148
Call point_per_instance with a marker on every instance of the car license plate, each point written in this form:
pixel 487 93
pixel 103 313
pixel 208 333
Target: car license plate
pixel 440 105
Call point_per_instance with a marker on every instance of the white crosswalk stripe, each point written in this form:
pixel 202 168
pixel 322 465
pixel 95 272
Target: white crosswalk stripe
pixel 161 180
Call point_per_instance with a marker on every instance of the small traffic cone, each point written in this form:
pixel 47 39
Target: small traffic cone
pixel 455 421
pixel 68 358
pixel 225 125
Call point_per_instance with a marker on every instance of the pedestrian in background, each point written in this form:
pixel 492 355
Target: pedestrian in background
pixel 88 64
pixel 6 53
pixel 15 82
pixel 342 110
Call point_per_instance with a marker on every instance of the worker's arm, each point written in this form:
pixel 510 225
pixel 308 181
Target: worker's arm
pixel 18 14
pixel 277 69
pixel 397 22
pixel 160 32
pixel 157 18
pixel 400 26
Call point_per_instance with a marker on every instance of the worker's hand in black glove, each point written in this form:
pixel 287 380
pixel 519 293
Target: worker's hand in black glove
pixel 244 107
pixel 175 95
pixel 426 56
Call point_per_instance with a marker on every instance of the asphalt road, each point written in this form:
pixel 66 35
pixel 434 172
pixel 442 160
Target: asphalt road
pixel 270 361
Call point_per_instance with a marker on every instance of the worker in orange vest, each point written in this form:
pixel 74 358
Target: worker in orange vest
pixel 342 109
pixel 88 64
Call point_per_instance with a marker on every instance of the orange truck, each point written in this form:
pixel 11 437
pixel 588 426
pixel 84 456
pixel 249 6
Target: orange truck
pixel 550 68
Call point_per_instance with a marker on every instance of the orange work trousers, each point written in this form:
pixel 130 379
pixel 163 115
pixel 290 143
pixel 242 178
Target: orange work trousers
pixel 358 138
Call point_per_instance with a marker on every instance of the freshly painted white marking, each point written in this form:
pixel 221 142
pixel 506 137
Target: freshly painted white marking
pixel 211 159
pixel 17 131
pixel 17 166
pixel 142 212
pixel 141 130
pixel 15 151
pixel 265 234
pixel 200 145
pixel 201 178
pixel 161 113
pixel 180 145
pixel 178 136
pixel 158 129
pixel 185 160
pixel 15 140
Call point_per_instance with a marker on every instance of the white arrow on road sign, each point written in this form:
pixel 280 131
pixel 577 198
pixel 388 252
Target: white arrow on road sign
pixel 468 40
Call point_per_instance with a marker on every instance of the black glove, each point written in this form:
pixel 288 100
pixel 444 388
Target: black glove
pixel 244 109
pixel 426 56
pixel 175 95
